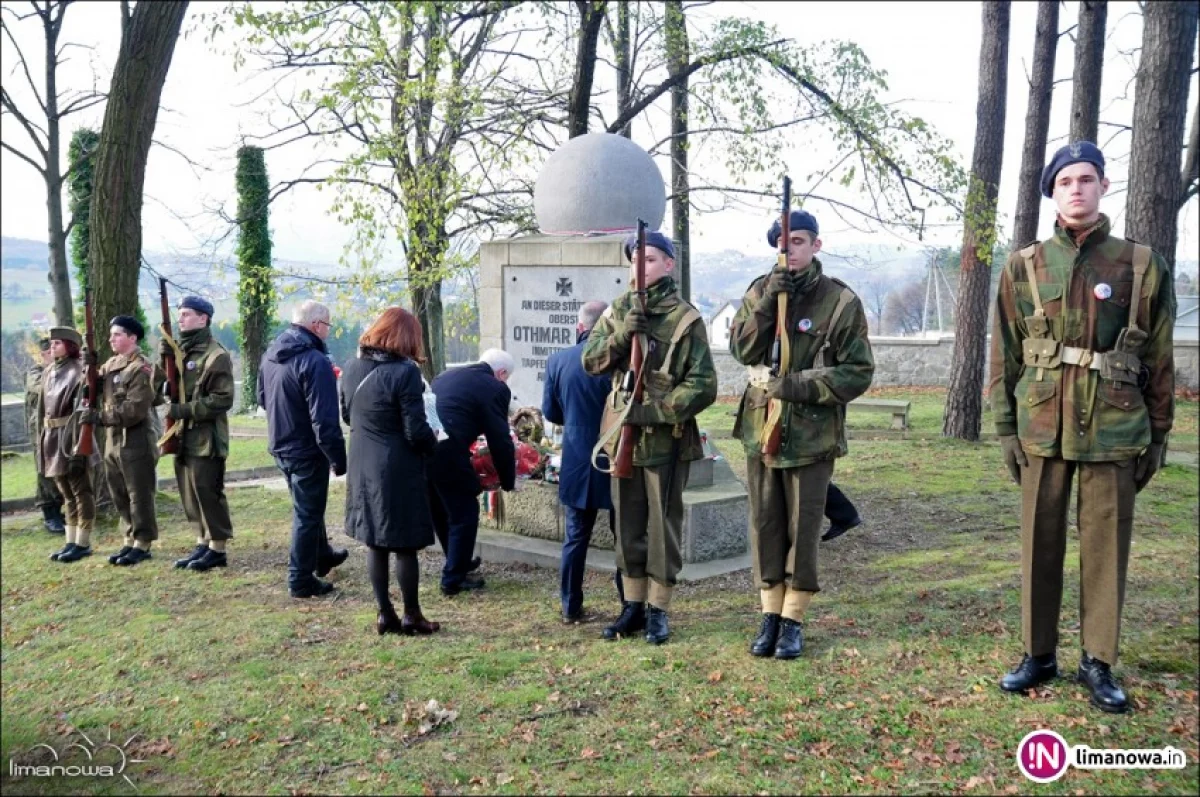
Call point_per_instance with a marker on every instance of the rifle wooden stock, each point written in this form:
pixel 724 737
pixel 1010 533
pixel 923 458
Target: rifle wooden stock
pixel 87 437
pixel 171 446
pixel 773 434
pixel 623 461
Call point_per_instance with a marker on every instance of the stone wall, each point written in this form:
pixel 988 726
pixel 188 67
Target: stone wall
pixel 12 424
pixel 918 361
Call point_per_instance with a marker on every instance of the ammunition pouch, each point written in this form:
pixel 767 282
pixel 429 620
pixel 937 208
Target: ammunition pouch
pixel 1120 366
pixel 1042 352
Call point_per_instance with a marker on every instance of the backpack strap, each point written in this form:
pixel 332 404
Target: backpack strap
pixel 1141 263
pixel 1027 255
pixel 844 299
pixel 681 329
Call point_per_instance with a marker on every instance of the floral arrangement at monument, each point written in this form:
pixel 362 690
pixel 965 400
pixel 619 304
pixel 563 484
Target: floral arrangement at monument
pixel 529 460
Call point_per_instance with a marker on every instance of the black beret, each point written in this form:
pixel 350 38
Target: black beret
pixel 197 304
pixel 130 324
pixel 1075 152
pixel 655 239
pixel 799 220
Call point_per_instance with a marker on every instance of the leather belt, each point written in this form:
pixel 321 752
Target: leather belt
pixel 57 423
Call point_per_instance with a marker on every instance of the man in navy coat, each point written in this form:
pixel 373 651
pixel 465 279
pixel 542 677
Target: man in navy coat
pixel 574 399
pixel 472 400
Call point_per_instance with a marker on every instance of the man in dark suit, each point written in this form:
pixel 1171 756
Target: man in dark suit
pixel 471 401
pixel 574 400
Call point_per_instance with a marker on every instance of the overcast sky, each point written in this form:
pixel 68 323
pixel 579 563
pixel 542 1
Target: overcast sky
pixel 930 52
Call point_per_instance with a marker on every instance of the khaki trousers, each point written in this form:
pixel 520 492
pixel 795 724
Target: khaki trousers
pixel 133 482
pixel 647 540
pixel 787 509
pixel 1105 513
pixel 79 503
pixel 202 491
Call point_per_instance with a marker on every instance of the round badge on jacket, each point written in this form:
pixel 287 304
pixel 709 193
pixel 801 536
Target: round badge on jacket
pixel 805 324
pixel 191 366
pixel 1102 291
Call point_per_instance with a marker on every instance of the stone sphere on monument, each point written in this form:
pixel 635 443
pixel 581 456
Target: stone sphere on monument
pixel 598 183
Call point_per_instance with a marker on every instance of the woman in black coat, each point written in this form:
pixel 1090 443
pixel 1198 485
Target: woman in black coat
pixel 387 505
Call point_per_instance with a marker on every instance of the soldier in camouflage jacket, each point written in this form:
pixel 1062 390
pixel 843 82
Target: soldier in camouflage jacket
pixel 828 364
pixel 680 382
pixel 1082 382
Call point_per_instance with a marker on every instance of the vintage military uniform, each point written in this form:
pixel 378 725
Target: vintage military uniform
pixel 57 451
pixel 207 394
pixel 131 385
pixel 680 382
pixel 48 499
pixel 826 362
pixel 1082 372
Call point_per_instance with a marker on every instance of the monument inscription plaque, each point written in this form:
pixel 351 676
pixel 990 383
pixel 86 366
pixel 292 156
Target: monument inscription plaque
pixel 541 306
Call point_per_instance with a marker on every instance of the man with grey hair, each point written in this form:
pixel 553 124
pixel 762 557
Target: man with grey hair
pixel 574 400
pixel 472 400
pixel 297 388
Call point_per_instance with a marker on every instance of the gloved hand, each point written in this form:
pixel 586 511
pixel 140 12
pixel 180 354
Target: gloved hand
pixel 1014 456
pixel 90 357
pixel 635 323
pixel 89 416
pixel 179 412
pixel 164 349
pixel 1147 465
pixel 780 281
pixel 794 388
pixel 645 414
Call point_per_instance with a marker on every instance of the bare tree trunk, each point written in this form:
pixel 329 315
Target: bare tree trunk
pixel 60 282
pixel 964 406
pixel 624 68
pixel 580 103
pixel 1037 124
pixel 677 60
pixel 1089 68
pixel 133 99
pixel 427 245
pixel 1159 113
pixel 1190 178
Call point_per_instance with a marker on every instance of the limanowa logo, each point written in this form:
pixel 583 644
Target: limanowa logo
pixel 80 758
pixel 1044 756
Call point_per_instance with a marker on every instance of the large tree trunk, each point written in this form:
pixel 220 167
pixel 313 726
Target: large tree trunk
pixel 1159 112
pixel 256 290
pixel 427 245
pixel 624 68
pixel 1190 178
pixel 1089 68
pixel 964 406
pixel 591 14
pixel 677 60
pixel 129 119
pixel 1037 124
pixel 60 282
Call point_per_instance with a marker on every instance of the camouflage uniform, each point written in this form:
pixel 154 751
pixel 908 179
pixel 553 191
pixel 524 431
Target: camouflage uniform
pixel 1083 395
pixel 131 385
pixel 207 395
pixel 48 498
pixel 830 364
pixel 680 382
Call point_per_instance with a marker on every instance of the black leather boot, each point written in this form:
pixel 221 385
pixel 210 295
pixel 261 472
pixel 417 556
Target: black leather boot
pixel 1098 678
pixel 657 630
pixel 631 620
pixel 791 639
pixel 53 520
pixel 1032 670
pixel 210 560
pixel 196 553
pixel 75 554
pixel 66 549
pixel 768 633
pixel 336 557
pixel 132 557
pixel 112 560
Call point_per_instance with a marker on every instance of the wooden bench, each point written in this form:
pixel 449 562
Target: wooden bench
pixel 898 409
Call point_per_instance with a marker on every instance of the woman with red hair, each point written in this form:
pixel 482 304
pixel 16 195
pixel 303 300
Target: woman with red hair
pixel 387 505
pixel 57 448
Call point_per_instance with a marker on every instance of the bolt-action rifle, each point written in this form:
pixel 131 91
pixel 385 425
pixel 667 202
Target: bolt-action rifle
pixel 773 429
pixel 633 383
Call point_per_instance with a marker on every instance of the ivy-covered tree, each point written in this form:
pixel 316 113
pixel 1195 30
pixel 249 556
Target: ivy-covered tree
pixel 256 292
pixel 80 152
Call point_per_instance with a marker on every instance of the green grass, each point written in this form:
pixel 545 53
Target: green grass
pixel 232 687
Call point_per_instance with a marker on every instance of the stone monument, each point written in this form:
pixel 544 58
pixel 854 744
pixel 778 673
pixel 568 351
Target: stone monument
pixel 587 200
